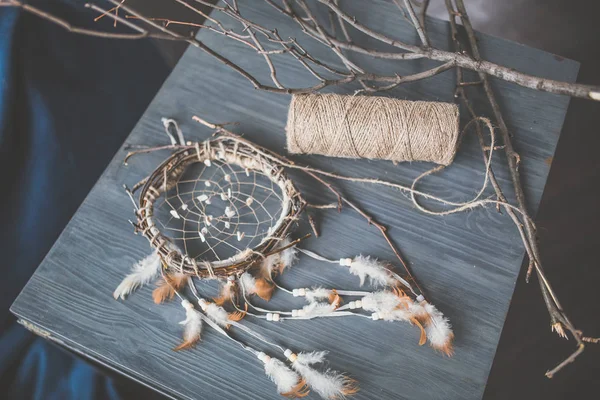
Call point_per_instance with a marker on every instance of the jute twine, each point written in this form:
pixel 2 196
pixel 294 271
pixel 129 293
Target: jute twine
pixel 372 127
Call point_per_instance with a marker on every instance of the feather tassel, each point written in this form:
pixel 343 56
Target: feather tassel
pixel 318 293
pixel 328 384
pixel 367 267
pixel 257 286
pixel 193 326
pixel 215 313
pixel 238 315
pixel 383 301
pixel 168 286
pixel 269 267
pixel 395 306
pixel 438 329
pixel 314 310
pixel 141 274
pixel 287 257
pixel 219 314
pixel 288 382
pixel 227 292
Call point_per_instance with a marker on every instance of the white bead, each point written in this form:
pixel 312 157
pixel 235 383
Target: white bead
pixel 207 183
pixel 302 292
pixel 288 353
pixel 358 303
pixel 223 197
pixel 229 192
pixel 184 207
pixel 263 357
pixel 227 225
pixel 294 313
pixel 208 201
pixel 249 201
pixel 175 214
pixel 202 197
pixel 227 178
pixel 420 298
pixel 346 262
pixel 269 317
pixel 375 316
pixel 276 317
pixel 352 305
pixel 295 293
pixel 207 162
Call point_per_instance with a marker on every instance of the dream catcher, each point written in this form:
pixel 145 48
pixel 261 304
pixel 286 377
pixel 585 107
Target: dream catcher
pixel 225 209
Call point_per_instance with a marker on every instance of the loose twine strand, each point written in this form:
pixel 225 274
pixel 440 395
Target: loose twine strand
pixel 372 127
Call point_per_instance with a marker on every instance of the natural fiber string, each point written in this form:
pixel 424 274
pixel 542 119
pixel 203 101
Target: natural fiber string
pixel 372 127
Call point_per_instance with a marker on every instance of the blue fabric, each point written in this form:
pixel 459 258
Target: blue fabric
pixel 66 104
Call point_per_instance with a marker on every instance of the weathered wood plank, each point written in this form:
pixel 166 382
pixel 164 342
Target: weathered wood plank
pixel 467 263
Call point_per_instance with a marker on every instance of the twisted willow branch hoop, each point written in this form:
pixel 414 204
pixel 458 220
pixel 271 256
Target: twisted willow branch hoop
pixel 222 150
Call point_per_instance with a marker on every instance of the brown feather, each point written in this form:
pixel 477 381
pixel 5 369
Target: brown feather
pixel 162 292
pixel 238 315
pixel 350 387
pixel 335 300
pixel 264 289
pixel 188 344
pixel 399 292
pixel 178 280
pixel 300 390
pixel 167 287
pixel 423 338
pixel 226 294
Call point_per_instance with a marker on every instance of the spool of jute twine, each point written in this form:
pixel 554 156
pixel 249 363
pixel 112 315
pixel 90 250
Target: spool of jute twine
pixel 372 127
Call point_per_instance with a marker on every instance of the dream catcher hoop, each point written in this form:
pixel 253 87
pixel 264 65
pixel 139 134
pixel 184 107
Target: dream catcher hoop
pixel 235 166
pixel 225 209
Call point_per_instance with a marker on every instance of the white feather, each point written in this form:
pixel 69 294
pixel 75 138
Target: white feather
pixel 313 310
pixel 396 315
pixel 328 384
pixel 367 267
pixel 217 314
pixel 288 256
pixel 418 310
pixel 314 357
pixel 192 323
pixel 382 301
pixel 248 283
pixel 142 272
pixel 269 264
pixel 438 329
pixel 317 293
pixel 284 378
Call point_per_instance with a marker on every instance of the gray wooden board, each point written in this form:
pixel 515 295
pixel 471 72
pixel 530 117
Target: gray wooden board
pixel 467 263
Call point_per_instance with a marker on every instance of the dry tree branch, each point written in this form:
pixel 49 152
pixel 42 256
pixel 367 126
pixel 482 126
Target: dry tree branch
pixel 557 316
pixel 409 51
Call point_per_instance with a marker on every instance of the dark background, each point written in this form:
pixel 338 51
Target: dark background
pixel 568 215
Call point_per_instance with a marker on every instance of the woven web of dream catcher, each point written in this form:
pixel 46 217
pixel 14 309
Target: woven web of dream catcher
pixel 215 211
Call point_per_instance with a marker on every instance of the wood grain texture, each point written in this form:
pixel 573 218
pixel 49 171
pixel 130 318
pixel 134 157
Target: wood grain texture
pixel 466 263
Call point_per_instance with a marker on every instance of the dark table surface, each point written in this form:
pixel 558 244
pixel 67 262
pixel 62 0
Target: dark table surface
pixel 468 263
